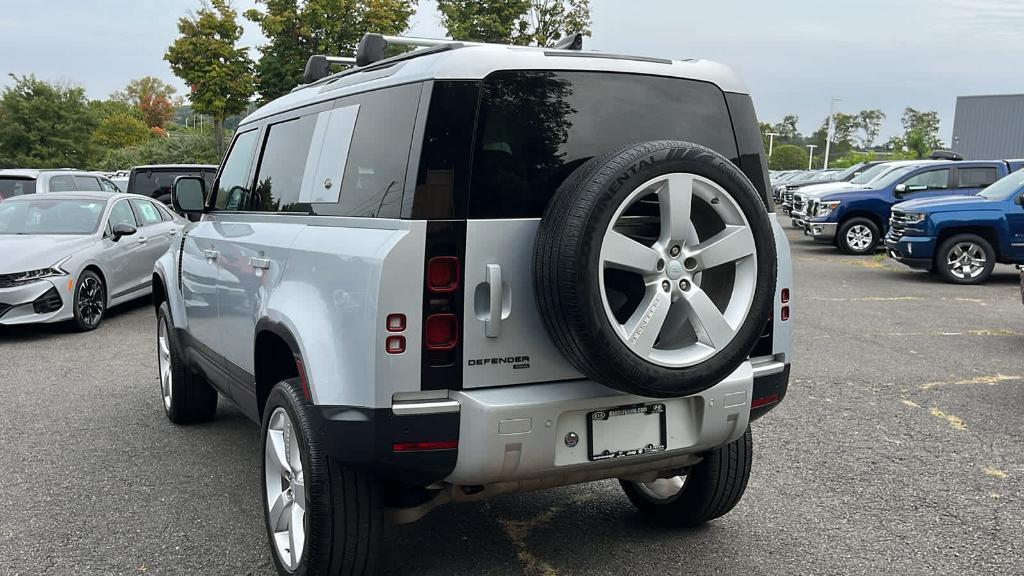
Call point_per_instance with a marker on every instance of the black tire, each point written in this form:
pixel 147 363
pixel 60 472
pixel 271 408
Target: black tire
pixel 844 243
pixel 90 301
pixel 712 488
pixel 567 270
pixel 344 511
pixel 192 398
pixel 949 245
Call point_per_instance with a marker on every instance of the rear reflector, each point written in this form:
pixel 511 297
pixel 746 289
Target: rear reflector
pixel 394 344
pixel 442 331
pixel 396 322
pixel 759 402
pixel 784 314
pixel 785 295
pixel 443 274
pixel 424 446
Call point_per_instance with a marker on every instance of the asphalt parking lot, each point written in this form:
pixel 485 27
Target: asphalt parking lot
pixel 899 450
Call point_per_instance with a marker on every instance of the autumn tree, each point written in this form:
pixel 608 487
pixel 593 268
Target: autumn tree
pixel 153 97
pixel 44 125
pixel 523 22
pixel 298 29
pixel 207 57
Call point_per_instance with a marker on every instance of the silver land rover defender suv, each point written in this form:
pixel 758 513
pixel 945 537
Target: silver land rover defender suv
pixel 470 270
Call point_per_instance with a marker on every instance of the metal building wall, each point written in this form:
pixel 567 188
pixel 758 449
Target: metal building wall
pixel 989 127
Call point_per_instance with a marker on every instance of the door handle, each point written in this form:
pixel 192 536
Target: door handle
pixel 143 240
pixel 492 325
pixel 262 263
pixel 211 254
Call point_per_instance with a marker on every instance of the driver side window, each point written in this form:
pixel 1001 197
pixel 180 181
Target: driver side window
pixel 121 213
pixel 231 190
pixel 931 180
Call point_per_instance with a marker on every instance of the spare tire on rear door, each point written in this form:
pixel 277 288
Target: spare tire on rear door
pixel 654 268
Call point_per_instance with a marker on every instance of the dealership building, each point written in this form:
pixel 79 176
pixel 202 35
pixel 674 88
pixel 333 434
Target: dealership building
pixel 989 127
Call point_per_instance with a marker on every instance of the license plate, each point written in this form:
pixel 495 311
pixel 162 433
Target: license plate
pixel 626 431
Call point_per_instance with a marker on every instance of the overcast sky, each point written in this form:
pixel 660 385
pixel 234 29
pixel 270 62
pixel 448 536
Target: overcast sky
pixel 794 55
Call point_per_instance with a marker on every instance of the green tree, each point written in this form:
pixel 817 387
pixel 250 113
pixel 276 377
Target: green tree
pixel 207 57
pixel 120 131
pixel 45 125
pixel 523 22
pixel 787 129
pixel 788 157
pixel 870 126
pixel 921 131
pixel 183 147
pixel 296 30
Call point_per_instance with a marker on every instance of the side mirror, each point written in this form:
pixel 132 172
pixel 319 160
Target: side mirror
pixel 1019 200
pixel 122 230
pixel 901 188
pixel 188 195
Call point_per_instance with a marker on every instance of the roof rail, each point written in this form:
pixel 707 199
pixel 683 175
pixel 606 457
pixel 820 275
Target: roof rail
pixel 319 66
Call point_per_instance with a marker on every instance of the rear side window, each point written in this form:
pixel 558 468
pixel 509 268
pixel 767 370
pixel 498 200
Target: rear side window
pixel 284 160
pixel 536 127
pixel 976 177
pixel 11 187
pixel 62 183
pixel 87 184
pixel 232 188
pixel 930 180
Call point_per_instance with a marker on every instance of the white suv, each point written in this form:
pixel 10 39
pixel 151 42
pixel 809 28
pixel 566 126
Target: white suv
pixel 475 269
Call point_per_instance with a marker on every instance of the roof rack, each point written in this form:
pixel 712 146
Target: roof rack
pixel 372 48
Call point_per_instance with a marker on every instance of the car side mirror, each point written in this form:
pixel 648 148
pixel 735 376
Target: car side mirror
pixel 122 230
pixel 901 189
pixel 1019 200
pixel 188 196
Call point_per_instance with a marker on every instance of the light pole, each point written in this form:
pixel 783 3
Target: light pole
pixel 771 142
pixel 810 157
pixel 831 128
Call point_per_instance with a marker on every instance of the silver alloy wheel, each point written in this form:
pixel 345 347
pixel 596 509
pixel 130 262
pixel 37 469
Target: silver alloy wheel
pixel 164 362
pixel 966 260
pixel 90 301
pixel 677 323
pixel 663 490
pixel 859 237
pixel 286 489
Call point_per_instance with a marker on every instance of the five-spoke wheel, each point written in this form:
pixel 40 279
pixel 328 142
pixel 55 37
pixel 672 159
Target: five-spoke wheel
pixel 286 489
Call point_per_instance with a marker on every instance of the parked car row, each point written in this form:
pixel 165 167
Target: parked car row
pixel 153 181
pixel 954 218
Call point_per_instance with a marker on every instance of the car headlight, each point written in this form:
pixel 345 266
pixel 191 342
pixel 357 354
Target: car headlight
pixel 826 208
pixel 33 275
pixel 914 217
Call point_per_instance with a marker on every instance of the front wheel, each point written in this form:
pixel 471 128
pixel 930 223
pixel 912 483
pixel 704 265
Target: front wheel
pixel 858 236
pixel 708 490
pixel 321 517
pixel 965 259
pixel 187 396
pixel 90 301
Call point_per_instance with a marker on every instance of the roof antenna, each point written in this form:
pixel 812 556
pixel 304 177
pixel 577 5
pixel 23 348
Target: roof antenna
pixel 570 42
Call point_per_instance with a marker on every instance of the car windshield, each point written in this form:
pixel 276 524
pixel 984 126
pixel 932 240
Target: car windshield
pixel 843 175
pixel 50 216
pixel 870 174
pixel 11 187
pixel 1005 187
pixel 156 183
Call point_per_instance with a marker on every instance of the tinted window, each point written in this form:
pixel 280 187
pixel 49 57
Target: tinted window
pixel 535 128
pixel 442 182
pixel 282 165
pixel 976 177
pixel 145 212
pixel 87 184
pixel 232 188
pixel 932 179
pixel 11 187
pixel 62 184
pixel 121 213
pixel 158 183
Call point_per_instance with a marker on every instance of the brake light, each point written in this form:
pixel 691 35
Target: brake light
pixel 424 446
pixel 442 332
pixel 443 274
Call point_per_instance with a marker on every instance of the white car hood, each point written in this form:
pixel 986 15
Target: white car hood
pixel 21 253
pixel 822 189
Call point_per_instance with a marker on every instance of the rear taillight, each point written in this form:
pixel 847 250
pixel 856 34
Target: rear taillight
pixel 442 332
pixel 443 274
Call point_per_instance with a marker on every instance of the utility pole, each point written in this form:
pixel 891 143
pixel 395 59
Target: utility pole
pixel 810 157
pixel 831 128
pixel 771 142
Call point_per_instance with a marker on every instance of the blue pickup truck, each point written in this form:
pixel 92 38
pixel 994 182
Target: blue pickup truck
pixel 856 220
pixel 962 237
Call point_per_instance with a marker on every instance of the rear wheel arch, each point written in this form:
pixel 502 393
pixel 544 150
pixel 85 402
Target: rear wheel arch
pixel 275 351
pixel 159 291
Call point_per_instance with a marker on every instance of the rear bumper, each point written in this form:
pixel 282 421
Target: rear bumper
pixel 35 302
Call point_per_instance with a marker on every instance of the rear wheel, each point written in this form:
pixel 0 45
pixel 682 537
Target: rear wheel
pixel 90 301
pixel 965 259
pixel 321 517
pixel 187 396
pixel 858 236
pixel 708 490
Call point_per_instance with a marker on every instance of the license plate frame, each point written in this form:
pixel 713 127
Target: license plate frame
pixel 603 417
